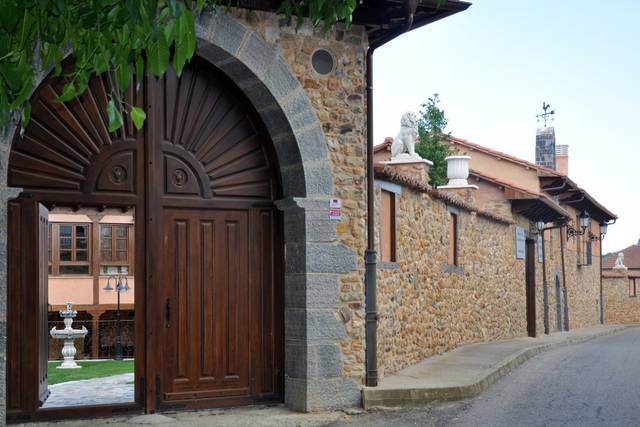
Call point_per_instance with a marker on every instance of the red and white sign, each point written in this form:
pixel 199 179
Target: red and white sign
pixel 335 209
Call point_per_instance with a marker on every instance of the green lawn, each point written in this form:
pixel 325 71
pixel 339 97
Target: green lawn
pixel 103 368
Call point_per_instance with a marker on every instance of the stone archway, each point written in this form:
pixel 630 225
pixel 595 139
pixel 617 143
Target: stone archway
pixel 313 261
pixel 313 357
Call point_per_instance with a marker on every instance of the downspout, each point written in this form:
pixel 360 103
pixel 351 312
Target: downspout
pixel 370 262
pixel 545 286
pixel 601 290
pixel 564 282
pixel 601 293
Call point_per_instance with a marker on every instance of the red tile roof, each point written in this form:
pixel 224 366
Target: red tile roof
pixel 559 212
pixel 384 146
pixel 477 147
pixel 387 173
pixel 631 258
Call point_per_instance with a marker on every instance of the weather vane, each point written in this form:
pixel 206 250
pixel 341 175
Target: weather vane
pixel 547 115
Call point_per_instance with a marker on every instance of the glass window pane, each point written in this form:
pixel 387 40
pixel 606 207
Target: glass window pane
pixel 82 230
pixel 106 255
pixel 121 244
pixel 82 256
pixel 81 243
pixel 106 244
pixel 121 256
pixel 74 269
pixel 65 255
pixel 65 230
pixel 121 231
pixel 114 269
pixel 106 231
pixel 65 243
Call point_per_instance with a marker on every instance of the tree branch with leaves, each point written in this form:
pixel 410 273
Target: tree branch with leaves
pixel 118 37
pixel 431 125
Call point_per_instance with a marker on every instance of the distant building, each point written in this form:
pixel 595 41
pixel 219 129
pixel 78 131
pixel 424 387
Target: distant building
pixel 620 286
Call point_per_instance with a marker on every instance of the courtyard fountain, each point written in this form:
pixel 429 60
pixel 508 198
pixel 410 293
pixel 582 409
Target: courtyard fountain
pixel 68 334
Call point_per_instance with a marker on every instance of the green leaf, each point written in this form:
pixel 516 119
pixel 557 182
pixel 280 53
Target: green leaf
pixel 115 116
pixel 68 92
pixel 9 14
pixel 158 55
pixel 11 76
pixel 26 116
pixel 123 74
pixel 200 5
pixel 139 67
pixel 185 41
pixel 138 116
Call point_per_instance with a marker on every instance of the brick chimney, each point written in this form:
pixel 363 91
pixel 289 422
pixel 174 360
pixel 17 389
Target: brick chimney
pixel 562 159
pixel 546 147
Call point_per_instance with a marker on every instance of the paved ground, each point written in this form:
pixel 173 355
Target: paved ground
pixel 468 370
pixel 97 391
pixel 589 384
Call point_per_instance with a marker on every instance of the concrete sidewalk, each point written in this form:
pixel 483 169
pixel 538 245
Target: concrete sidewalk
pixel 466 371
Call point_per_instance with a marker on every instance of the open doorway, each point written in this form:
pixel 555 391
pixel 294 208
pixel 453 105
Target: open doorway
pixel 91 280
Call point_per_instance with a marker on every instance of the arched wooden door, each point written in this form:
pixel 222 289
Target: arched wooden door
pixel 202 178
pixel 217 234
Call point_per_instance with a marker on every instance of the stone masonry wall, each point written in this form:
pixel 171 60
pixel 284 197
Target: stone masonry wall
pixel 339 102
pixel 619 307
pixel 425 306
pixel 583 283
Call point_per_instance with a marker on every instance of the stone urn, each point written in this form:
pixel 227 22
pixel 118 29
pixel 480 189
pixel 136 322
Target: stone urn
pixel 68 334
pixel 457 170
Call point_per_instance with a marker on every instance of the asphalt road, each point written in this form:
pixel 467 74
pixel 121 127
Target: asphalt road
pixel 596 383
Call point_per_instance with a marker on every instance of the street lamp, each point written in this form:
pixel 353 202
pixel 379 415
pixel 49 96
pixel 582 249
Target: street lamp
pixel 585 222
pixel 120 287
pixel 603 232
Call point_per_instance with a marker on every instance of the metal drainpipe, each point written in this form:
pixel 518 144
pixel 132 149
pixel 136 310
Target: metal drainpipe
pixel 601 293
pixel 545 286
pixel 564 282
pixel 602 290
pixel 370 262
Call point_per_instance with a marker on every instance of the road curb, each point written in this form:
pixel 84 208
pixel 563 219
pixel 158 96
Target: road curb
pixel 376 398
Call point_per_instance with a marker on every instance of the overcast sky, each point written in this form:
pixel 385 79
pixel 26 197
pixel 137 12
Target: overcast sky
pixel 493 66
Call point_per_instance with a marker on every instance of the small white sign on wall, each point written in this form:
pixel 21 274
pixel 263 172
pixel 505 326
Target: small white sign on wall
pixel 335 209
pixel 520 243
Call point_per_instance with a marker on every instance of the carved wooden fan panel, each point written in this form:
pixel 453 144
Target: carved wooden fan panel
pixel 204 117
pixel 210 143
pixel 65 143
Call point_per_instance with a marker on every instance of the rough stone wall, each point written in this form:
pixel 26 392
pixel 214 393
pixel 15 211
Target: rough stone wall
pixel 425 306
pixel 339 102
pixel 582 282
pixel 619 307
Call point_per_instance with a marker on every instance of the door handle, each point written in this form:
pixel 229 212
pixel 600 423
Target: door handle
pixel 167 315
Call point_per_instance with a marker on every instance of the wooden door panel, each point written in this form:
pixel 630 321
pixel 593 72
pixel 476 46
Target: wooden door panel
pixel 207 287
pixel 530 283
pixel 43 303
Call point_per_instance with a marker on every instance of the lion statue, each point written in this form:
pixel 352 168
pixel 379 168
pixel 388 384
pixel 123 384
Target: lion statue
pixel 405 140
pixel 619 265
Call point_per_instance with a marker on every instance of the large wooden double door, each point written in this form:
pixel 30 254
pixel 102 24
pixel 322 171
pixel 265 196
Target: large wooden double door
pixel 218 304
pixel 202 178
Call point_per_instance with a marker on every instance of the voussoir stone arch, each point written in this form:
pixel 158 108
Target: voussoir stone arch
pixel 313 258
pixel 281 102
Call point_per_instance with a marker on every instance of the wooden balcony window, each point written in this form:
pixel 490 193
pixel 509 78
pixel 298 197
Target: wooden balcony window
pixel 69 249
pixel 116 247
